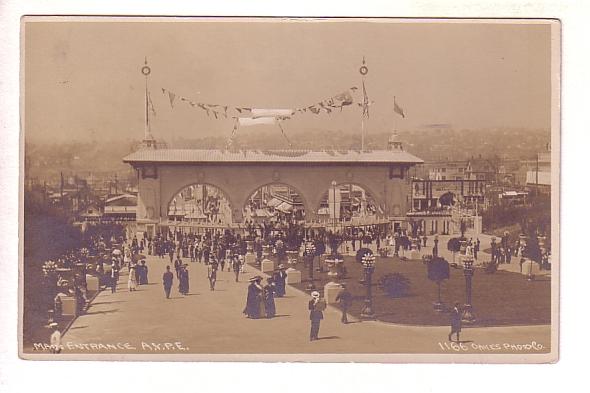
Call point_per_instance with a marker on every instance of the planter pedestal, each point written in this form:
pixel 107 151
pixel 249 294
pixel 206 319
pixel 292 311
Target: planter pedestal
pixel 92 283
pixel 68 305
pixel 293 276
pixel 267 266
pixel 331 291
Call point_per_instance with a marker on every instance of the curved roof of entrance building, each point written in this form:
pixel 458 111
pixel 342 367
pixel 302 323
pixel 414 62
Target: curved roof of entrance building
pixel 286 156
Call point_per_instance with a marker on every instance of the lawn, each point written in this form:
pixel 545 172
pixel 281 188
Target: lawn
pixel 499 299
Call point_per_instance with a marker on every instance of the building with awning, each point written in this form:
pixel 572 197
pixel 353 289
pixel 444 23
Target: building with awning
pixel 284 207
pixel 120 207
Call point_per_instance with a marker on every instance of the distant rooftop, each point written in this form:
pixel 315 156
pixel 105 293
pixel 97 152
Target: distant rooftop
pixel 283 156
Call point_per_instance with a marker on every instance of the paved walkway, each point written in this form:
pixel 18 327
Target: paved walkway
pixel 206 322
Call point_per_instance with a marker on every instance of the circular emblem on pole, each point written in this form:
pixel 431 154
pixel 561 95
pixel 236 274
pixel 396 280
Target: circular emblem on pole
pixel 146 70
pixel 364 70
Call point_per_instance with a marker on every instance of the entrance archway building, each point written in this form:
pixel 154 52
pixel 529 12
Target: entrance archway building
pixel 163 173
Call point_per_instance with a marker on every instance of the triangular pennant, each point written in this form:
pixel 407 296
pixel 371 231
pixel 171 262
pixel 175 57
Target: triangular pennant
pixel 171 97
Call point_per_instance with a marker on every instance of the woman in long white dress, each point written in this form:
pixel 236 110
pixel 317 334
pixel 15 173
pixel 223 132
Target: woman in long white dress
pixel 132 282
pixel 127 258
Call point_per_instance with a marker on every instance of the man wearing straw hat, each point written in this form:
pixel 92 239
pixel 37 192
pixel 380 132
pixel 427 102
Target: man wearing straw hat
pixel 212 274
pixel 316 307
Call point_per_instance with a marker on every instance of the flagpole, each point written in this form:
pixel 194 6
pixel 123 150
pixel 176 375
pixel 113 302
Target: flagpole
pixel 145 70
pixel 363 133
pixel 363 71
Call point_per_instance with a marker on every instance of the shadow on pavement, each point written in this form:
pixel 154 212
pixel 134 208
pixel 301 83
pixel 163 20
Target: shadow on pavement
pixel 102 312
pixel 99 303
pixel 329 338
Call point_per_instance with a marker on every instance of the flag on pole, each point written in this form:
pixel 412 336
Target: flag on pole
pixel 397 109
pixel 151 105
pixel 365 102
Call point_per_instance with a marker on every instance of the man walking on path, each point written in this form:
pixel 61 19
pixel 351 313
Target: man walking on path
pixel 316 307
pixel 167 279
pixel 177 266
pixel 345 300
pixel 236 265
pixel 212 274
pixel 455 322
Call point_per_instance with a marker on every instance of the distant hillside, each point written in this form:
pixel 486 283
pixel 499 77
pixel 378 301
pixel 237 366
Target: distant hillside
pixel 47 161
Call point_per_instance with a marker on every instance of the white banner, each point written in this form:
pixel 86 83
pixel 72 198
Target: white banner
pixel 256 113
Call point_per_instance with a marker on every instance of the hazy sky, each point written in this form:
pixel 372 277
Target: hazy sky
pixel 83 80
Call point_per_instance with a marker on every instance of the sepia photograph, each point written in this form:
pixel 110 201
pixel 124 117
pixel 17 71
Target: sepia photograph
pixel 289 189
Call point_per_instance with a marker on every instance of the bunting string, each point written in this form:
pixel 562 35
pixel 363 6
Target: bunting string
pixel 328 105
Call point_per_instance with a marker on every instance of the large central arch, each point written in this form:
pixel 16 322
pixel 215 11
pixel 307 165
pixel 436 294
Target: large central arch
pixel 251 191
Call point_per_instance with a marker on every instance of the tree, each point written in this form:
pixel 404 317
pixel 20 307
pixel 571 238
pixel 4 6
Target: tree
pixel 438 270
pixel 454 245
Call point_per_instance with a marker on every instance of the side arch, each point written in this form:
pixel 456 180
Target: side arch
pixel 169 198
pixel 379 198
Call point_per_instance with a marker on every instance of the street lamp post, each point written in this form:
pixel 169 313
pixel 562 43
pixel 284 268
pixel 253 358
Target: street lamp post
pixel 369 266
pixel 310 255
pixel 334 203
pixel 468 271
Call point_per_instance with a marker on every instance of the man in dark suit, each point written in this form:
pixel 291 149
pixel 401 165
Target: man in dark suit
pixel 178 266
pixel 455 322
pixel 167 281
pixel 316 307
pixel 345 300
